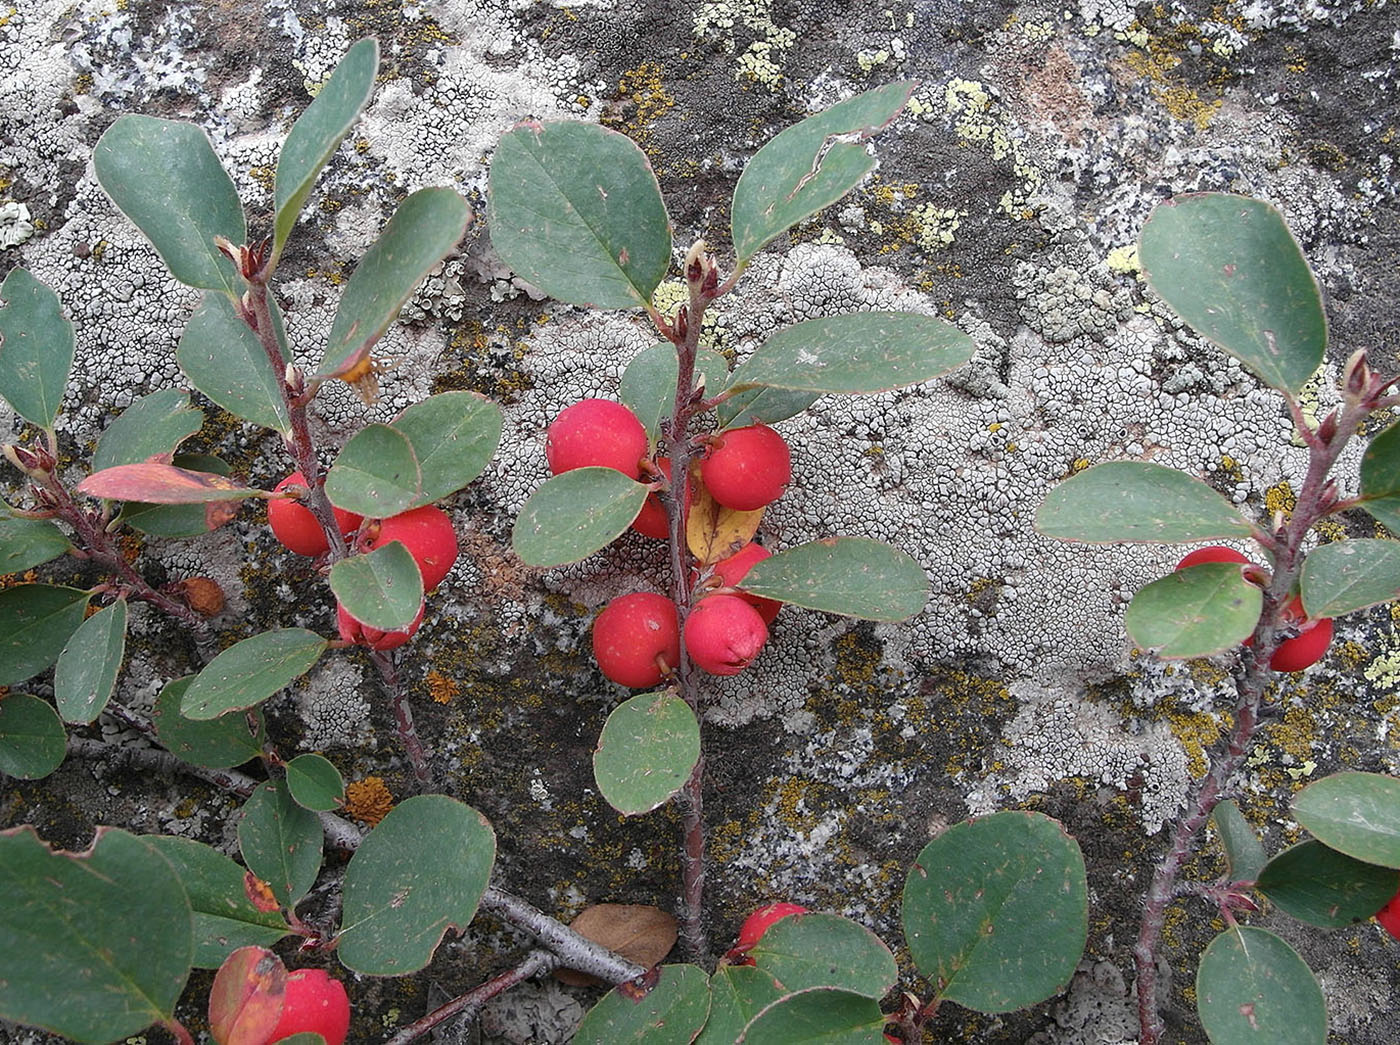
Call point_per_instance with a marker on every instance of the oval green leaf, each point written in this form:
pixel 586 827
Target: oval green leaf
pixel 32 739
pixel 248 672
pixel 36 348
pixel 1195 612
pixel 1252 989
pixel 421 233
pixel 648 386
pixel 1137 501
pixel 816 1015
pixel 996 911
pixel 453 435
pixel 670 1013
pixel 382 588
pixel 25 543
pixel 575 209
pixel 859 352
pixel 1354 813
pixel 1350 575
pixel 1229 267
pixel 116 961
pixel 376 474
pixel 36 622
pixel 574 514
pixel 315 783
pixel 165 177
pixel 281 842
pixel 155 483
pixel 178 520
pixel 737 994
pixel 825 950
pixel 218 743
pixel 1243 850
pixel 646 753
pixel 852 576
pixel 224 918
pixel 86 672
pixel 224 359
pixel 419 873
pixel 1320 886
pixel 317 132
pixel 153 426
pixel 810 165
pixel 763 406
pixel 1380 478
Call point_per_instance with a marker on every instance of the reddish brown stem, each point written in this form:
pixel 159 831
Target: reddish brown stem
pixel 535 963
pixel 403 718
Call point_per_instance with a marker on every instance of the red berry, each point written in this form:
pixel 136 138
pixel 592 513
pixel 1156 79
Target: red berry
pixel 631 634
pixel 758 923
pixel 596 432
pixel 1304 649
pixel 361 634
pixel 652 521
pixel 428 535
pixel 293 524
pixel 747 468
pixel 1211 553
pixel 723 634
pixel 1389 916
pixel 313 1003
pixel 733 570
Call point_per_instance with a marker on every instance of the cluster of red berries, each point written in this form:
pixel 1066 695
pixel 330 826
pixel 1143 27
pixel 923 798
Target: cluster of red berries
pixel 1302 650
pixel 426 532
pixel 636 639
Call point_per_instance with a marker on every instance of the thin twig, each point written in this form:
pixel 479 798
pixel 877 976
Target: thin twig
pixel 468 1005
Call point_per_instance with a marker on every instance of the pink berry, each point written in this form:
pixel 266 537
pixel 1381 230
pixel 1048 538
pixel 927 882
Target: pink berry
pixel 360 634
pixel 723 634
pixel 1211 553
pixel 747 468
pixel 758 923
pixel 293 524
pixel 596 432
pixel 1304 649
pixel 313 1003
pixel 634 636
pixel 428 535
pixel 1389 916
pixel 731 572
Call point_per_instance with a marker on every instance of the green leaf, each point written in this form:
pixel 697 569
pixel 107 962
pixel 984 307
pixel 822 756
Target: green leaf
pixel 1354 813
pixel 317 133
pixel 1380 478
pixel 1137 501
pixel 648 386
pixel 281 842
pixel 165 177
pixel 1323 887
pixel 1350 575
pixel 996 911
pixel 825 950
pixel 36 348
pixel 737 994
pixel 178 520
pixel 574 514
pixel 852 576
pixel 25 543
pixel 421 233
pixel 1243 849
pixel 575 209
pixel 86 672
pixel 1229 267
pixel 860 352
pixel 153 426
pixel 383 588
pixel 155 483
pixel 763 406
pixel 648 750
pixel 1252 989
pixel 376 475
pixel 218 743
pixel 248 672
pixel 32 740
pixel 810 166
pixel 224 359
pixel 36 622
pixel 94 946
pixel 315 783
pixel 453 435
pixel 224 918
pixel 402 895
pixel 1195 612
pixel 818 1015
pixel 671 1013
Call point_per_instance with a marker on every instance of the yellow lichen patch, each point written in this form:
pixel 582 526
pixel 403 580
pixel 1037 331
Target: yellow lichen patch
pixel 1198 732
pixel 368 800
pixel 1280 498
pixel 1156 65
pixel 441 688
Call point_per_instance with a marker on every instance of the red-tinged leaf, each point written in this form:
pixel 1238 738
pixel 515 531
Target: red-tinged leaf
pixel 245 1002
pixel 157 483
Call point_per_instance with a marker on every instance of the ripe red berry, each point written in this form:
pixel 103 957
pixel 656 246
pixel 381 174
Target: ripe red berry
pixel 293 524
pixel 596 432
pixel 758 923
pixel 1211 553
pixel 313 1003
pixel 634 632
pixel 651 521
pixel 428 535
pixel 1389 916
pixel 360 634
pixel 1305 649
pixel 723 634
pixel 734 569
pixel 747 468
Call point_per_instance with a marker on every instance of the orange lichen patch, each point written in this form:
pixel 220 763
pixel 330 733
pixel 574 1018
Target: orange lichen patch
pixel 442 689
pixel 363 377
pixel 368 800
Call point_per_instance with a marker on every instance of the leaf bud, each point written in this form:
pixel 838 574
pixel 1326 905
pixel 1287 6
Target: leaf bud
pixel 26 460
pixel 695 262
pixel 1327 430
pixel 1356 375
pixel 682 322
